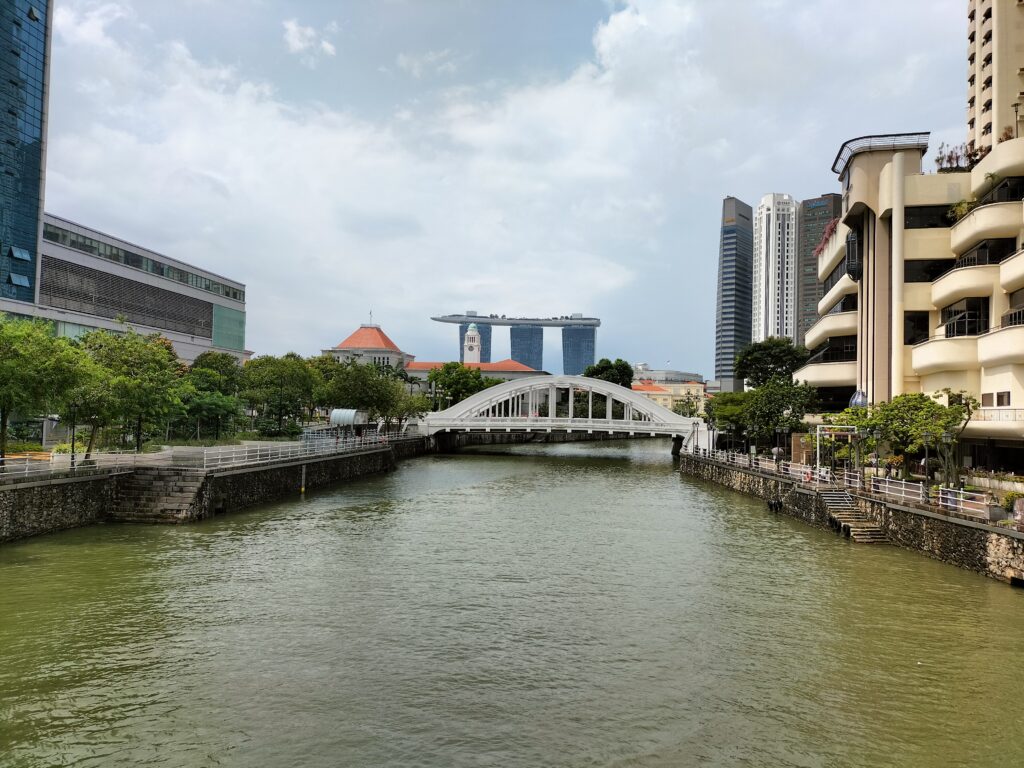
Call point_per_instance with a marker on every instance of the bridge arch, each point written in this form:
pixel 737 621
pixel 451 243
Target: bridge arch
pixel 551 403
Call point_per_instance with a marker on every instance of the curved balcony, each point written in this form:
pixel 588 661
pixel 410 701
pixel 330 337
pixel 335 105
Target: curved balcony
pixel 828 374
pixel 1005 160
pixel 996 422
pixel 938 355
pixel 844 287
pixel 996 220
pixel 1011 273
pixel 834 251
pixel 1003 346
pixel 967 281
pixel 838 324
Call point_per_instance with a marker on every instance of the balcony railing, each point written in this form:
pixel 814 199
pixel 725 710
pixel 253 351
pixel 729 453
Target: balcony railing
pixel 1013 317
pixel 998 414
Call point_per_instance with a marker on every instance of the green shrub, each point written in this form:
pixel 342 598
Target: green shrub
pixel 1010 498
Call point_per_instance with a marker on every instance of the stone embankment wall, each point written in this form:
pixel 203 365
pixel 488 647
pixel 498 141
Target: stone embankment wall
pixel 164 495
pixel 975 546
pixel 54 504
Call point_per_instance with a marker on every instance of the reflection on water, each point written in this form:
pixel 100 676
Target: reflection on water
pixel 573 605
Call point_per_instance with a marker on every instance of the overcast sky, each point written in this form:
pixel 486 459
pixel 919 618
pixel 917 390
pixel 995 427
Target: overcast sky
pixel 419 157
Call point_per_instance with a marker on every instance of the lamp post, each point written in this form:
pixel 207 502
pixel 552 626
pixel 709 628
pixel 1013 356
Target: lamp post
pixel 73 428
pixel 877 434
pixel 1016 117
pixel 927 437
pixel 947 440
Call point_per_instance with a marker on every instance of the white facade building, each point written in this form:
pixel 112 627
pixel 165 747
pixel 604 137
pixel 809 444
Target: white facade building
pixel 471 345
pixel 773 311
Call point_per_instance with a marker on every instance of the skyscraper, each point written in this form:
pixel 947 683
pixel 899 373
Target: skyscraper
pixel 577 348
pixel 773 305
pixel 995 59
pixel 24 59
pixel 732 318
pixel 528 345
pixel 814 217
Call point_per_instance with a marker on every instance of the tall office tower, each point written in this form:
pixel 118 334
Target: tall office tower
pixel 995 71
pixel 485 342
pixel 813 218
pixel 773 304
pixel 528 345
pixel 577 348
pixel 732 317
pixel 24 59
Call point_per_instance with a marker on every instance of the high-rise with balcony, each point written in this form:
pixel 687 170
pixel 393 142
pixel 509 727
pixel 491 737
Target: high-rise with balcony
pixel 773 305
pixel 995 71
pixel 732 317
pixel 814 217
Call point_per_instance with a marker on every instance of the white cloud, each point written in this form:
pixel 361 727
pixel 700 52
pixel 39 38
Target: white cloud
pixel 306 42
pixel 597 191
pixel 432 62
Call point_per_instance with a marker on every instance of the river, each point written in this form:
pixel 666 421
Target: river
pixel 572 605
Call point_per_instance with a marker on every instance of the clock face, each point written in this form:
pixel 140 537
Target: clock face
pixel 470 347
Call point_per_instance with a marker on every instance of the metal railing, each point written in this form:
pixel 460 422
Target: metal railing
pixel 998 414
pixel 24 468
pixel 964 502
pixel 902 490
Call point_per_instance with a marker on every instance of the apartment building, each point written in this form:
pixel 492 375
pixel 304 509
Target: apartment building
pixel 995 71
pixel 923 282
pixel 773 304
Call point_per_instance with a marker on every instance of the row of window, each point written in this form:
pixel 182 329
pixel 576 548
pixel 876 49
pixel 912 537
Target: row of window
pixel 114 253
pixel 997 399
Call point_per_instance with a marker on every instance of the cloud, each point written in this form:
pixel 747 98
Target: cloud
pixel 594 190
pixel 431 62
pixel 306 42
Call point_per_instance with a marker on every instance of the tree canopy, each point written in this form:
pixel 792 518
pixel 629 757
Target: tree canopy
pixel 776 356
pixel 620 372
pixel 456 381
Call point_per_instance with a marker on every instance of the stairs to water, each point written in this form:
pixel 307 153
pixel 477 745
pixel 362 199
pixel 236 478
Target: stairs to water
pixel 847 518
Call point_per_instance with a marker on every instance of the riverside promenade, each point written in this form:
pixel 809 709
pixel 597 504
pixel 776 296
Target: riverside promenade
pixel 181 485
pixel 953 526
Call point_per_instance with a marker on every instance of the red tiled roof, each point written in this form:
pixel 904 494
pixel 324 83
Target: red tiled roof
pixel 368 337
pixel 648 386
pixel 503 366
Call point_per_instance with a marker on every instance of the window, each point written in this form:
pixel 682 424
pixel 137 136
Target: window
pixel 925 270
pixel 1002 399
pixel 19 280
pixel 915 327
pixel 927 217
pixel 967 317
pixel 986 400
pixel 19 253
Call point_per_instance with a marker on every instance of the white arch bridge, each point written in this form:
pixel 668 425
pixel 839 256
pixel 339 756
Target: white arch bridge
pixel 563 404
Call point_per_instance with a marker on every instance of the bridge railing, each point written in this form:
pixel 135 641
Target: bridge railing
pixel 559 422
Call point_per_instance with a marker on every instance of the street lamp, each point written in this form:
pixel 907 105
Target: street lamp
pixel 947 440
pixel 1016 117
pixel 927 436
pixel 73 428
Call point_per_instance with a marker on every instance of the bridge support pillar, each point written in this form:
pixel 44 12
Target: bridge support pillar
pixel 677 446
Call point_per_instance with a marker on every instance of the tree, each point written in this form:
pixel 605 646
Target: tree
pixel 725 411
pixel 410 407
pixel 689 406
pixel 904 421
pixel 457 382
pixel 620 372
pixel 225 365
pixel 280 388
pixel 145 382
pixel 92 402
pixel 774 357
pixel 778 404
pixel 36 371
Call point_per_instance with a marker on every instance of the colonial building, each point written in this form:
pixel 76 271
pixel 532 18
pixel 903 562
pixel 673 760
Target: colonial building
pixel 368 344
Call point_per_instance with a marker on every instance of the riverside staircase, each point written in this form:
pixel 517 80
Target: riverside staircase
pixel 158 495
pixel 847 518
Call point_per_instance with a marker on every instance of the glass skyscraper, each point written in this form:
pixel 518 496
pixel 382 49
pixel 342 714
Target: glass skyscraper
pixel 25 28
pixel 577 348
pixel 735 281
pixel 528 345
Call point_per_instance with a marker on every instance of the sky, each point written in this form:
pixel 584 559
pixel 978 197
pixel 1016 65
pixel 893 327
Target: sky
pixel 412 158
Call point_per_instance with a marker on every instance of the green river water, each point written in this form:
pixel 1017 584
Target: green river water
pixel 574 605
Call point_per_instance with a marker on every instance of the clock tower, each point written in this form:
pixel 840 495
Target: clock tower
pixel 471 345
